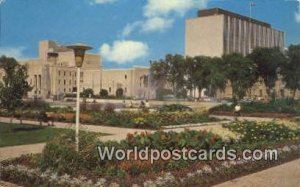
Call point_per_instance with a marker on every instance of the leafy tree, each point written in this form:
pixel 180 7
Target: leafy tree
pixel 87 93
pixel 191 73
pixel 14 84
pixel 169 72
pixel 175 71
pixel 201 72
pixel 119 92
pixel 241 72
pixel 291 69
pixel 157 73
pixel 103 93
pixel 215 75
pixel 160 92
pixel 268 62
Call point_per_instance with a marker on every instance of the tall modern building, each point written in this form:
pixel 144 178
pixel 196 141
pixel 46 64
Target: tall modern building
pixel 216 32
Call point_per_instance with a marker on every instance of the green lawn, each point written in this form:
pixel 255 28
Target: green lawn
pixel 16 134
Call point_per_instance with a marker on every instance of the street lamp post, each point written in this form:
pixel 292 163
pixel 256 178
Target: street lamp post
pixel 79 51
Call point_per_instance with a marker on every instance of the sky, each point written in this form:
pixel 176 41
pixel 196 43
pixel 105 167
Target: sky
pixel 124 32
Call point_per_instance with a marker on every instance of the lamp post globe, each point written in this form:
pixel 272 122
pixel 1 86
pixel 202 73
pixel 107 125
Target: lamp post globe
pixel 79 52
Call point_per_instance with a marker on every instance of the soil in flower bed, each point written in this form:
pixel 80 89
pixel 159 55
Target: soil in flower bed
pixel 256 114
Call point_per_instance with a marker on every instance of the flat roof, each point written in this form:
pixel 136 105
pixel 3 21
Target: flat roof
pixel 219 11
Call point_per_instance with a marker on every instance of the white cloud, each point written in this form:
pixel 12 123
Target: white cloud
pixel 164 8
pixel 129 28
pixel 157 24
pixel 297 14
pixel 149 25
pixel 16 52
pixel 102 1
pixel 123 51
pixel 160 15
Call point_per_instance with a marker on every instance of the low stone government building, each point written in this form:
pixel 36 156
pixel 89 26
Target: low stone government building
pixel 53 75
pixel 216 32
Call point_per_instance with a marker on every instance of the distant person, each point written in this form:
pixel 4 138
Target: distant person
pixel 131 104
pixel 147 104
pixel 142 104
pixel 124 103
pixel 237 110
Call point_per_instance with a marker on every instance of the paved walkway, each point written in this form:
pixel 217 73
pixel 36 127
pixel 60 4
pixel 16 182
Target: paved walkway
pixel 16 151
pixel 285 175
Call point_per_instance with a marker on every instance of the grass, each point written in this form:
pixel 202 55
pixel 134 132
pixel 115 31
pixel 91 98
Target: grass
pixel 16 134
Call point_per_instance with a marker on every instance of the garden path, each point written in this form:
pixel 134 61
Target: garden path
pixel 287 174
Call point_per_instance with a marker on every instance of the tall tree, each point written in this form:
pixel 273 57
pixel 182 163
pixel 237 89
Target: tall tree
pixel 158 74
pixel 215 77
pixel 14 85
pixel 291 69
pixel 175 72
pixel 241 72
pixel 201 72
pixel 169 71
pixel 268 62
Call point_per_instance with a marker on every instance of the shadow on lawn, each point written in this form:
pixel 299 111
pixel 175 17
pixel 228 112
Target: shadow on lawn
pixel 27 129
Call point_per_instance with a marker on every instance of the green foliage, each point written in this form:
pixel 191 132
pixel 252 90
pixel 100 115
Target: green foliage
pixel 262 131
pixel 89 92
pixel 153 120
pixel 119 92
pixel 291 69
pixel 103 93
pixel 59 155
pixel 279 105
pixel 161 92
pixel 14 85
pixel 174 108
pixel 36 104
pixel 173 140
pixel 268 62
pixel 16 134
pixel 170 70
pixel 241 72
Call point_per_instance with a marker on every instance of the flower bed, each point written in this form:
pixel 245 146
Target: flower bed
pixel 59 161
pixel 275 108
pixel 128 119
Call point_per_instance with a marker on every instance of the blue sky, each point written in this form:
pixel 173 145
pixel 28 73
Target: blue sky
pixel 125 32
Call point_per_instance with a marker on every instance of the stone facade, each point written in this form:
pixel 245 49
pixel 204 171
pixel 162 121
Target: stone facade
pixel 53 74
pixel 216 32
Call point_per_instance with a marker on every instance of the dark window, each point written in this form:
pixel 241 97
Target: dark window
pixel 109 89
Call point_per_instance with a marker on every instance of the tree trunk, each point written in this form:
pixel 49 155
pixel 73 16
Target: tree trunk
pixel 293 94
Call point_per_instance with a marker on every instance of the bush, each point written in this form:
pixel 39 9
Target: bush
pixel 251 131
pixel 109 107
pixel 59 155
pixel 174 108
pixel 279 106
pixel 36 104
pixel 119 93
pixel 87 93
pixel 103 93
